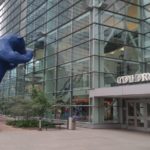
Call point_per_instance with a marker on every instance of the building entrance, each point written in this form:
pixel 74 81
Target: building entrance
pixel 138 114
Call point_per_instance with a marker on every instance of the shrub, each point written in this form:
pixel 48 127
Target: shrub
pixel 29 123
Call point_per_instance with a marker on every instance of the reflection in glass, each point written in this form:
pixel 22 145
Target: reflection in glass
pixel 64 70
pixel 64 43
pixel 64 57
pixel 63 84
pixel 148 109
pixel 50 82
pixel 81 66
pixel 63 98
pixel 81 113
pixel 64 30
pixel 81 22
pixel 81 81
pixel 111 110
pixel 81 51
pixel 109 79
pixel 80 36
pixel 130 109
pixel 140 109
pixel 39 65
pixel 50 61
pixel 140 122
pixel 148 123
pixel 51 49
pixel 61 112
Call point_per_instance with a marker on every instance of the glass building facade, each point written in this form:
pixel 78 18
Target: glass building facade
pixel 80 45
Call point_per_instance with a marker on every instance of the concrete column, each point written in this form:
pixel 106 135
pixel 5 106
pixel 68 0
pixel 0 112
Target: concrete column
pixel 97 63
pixel 95 48
pixel 97 111
pixel 101 110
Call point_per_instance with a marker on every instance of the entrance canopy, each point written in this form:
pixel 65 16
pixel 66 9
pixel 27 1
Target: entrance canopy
pixel 125 91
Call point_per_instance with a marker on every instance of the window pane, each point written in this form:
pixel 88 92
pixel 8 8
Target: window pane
pixel 130 109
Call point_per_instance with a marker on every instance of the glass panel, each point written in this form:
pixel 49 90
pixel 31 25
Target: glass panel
pixel 63 84
pixel 131 122
pixel 63 98
pixel 50 86
pixel 113 20
pixel 80 8
pixel 124 110
pixel 140 109
pixel 117 50
pixel 81 22
pixel 140 122
pixel 39 65
pixel 79 98
pixel 80 36
pixel 111 110
pixel 148 123
pixel 148 109
pixel 147 54
pixel 50 61
pixel 51 13
pixel 65 43
pixel 62 112
pixel 118 7
pixel 121 67
pixel 81 66
pixel 51 37
pixel 109 79
pixel 39 48
pixel 29 68
pixel 52 24
pixel 145 2
pixel 64 57
pixel 28 84
pixel 81 113
pixel 50 74
pixel 65 17
pixel 81 81
pixel 131 109
pixel 64 30
pixel 51 3
pixel 38 80
pixel 64 70
pixel 113 66
pixel 51 49
pixel 81 51
pixel 64 4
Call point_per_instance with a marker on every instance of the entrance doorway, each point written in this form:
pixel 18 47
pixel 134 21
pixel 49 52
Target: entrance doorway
pixel 138 116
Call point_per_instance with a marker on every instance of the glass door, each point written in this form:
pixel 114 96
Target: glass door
pixel 131 114
pixel 136 114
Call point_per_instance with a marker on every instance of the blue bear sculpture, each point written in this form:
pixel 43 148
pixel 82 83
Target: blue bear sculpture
pixel 12 53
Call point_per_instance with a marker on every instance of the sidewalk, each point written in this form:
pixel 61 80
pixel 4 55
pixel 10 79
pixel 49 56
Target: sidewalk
pixel 80 139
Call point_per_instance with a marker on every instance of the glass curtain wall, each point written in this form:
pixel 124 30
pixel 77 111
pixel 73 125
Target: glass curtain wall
pixel 146 29
pixel 76 47
pixel 120 38
pixel 67 59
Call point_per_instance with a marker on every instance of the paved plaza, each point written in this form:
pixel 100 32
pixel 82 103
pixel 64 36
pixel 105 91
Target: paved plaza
pixel 80 139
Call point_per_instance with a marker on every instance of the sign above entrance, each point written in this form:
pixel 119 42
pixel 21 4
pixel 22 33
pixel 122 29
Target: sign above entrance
pixel 134 78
